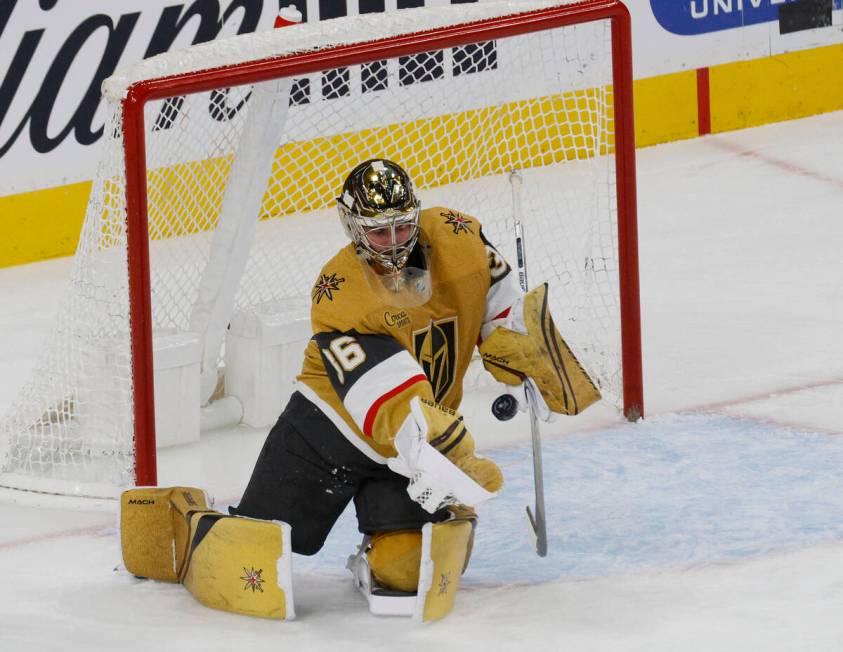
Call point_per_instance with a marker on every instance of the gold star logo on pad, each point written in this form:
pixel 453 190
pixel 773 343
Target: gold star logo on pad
pixel 253 579
pixel 444 581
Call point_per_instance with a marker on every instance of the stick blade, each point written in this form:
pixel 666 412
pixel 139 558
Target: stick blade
pixel 539 532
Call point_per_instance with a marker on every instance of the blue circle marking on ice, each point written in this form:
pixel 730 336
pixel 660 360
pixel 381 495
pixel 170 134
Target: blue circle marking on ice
pixel 672 492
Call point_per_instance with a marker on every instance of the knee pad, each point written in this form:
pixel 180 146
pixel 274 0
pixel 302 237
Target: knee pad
pixel 415 572
pixel 395 557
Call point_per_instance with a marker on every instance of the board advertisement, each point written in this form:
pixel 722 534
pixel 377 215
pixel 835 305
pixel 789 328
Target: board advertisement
pixel 56 53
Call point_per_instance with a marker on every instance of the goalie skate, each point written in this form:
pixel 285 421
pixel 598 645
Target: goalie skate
pixel 382 601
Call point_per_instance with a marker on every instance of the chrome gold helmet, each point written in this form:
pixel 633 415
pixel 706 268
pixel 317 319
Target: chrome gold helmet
pixel 380 213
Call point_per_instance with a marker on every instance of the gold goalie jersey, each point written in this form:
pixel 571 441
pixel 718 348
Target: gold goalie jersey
pixel 367 358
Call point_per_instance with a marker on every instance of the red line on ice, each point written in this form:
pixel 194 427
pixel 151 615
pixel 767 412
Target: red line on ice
pixel 781 164
pixel 768 395
pixel 95 530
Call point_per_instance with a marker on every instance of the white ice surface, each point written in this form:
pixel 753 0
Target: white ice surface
pixel 716 524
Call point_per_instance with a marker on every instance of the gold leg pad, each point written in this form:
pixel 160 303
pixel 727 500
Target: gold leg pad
pixel 149 523
pixel 241 565
pixel 445 549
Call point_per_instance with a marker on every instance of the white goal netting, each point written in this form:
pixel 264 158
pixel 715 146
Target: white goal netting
pixel 241 182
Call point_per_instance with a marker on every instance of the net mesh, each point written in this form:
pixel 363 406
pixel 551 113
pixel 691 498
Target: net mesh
pixel 458 119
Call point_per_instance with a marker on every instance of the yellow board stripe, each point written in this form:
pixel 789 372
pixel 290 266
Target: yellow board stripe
pixel 42 224
pixel 783 87
pixel 461 137
pixel 450 148
pixel 665 108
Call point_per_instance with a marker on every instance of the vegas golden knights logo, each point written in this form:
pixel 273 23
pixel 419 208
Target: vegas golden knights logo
pixel 436 350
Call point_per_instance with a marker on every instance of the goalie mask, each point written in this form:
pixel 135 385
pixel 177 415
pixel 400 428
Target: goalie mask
pixel 380 214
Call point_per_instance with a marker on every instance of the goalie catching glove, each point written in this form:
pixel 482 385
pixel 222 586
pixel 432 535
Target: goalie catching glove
pixel 526 346
pixel 436 451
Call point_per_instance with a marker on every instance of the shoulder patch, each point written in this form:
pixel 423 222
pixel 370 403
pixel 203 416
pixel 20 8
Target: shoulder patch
pixel 458 221
pixel 326 286
pixel 498 267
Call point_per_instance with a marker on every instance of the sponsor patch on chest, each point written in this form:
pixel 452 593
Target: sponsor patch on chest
pixel 396 319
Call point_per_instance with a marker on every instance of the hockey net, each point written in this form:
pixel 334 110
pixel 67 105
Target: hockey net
pixel 232 153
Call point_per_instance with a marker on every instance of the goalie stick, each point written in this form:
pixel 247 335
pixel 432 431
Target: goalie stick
pixel 537 519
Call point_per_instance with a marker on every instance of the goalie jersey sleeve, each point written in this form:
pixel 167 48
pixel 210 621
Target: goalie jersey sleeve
pixel 374 378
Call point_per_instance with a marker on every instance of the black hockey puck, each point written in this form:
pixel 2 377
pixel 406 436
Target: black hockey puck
pixel 504 407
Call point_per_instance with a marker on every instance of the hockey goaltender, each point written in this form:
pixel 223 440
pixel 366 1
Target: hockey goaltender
pixel 396 315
